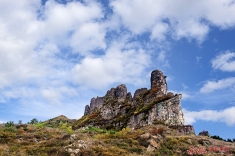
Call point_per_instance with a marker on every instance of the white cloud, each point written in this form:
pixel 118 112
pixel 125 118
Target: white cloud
pixel 23 92
pixel 31 37
pixel 159 31
pixel 190 29
pixel 211 86
pixel 88 37
pixel 117 65
pixel 51 95
pixel 138 16
pixel 75 24
pixel 227 115
pixel 224 61
pixel 56 95
pixel 185 19
pixel 29 46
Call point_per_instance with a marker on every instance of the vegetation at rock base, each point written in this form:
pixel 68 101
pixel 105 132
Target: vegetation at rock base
pixel 58 139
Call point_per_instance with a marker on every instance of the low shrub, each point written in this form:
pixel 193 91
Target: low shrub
pixel 65 127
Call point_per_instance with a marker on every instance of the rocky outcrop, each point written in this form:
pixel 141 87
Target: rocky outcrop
pixel 158 83
pixel 118 109
pixel 96 103
pixel 87 110
pixel 184 129
pixel 167 111
pixel 121 92
pixel 204 133
pixel 139 91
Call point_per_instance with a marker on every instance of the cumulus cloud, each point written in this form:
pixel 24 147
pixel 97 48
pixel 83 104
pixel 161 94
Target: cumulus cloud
pixel 138 16
pixel 117 65
pixel 226 115
pixel 92 33
pixel 159 31
pixel 56 95
pixel 33 35
pixel 224 61
pixel 185 19
pixel 75 24
pixel 211 86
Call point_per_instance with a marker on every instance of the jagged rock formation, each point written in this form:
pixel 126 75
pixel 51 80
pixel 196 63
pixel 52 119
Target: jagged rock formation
pixel 118 109
pixel 158 83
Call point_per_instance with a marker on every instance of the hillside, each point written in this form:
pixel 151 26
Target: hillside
pixel 152 140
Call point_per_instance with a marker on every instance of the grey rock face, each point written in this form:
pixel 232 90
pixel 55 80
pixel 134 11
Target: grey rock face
pixel 96 103
pixel 121 92
pixel 139 91
pixel 168 111
pixel 110 93
pixel 87 110
pixel 158 83
pixel 186 129
pixel 129 97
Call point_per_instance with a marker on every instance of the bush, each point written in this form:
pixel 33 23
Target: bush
pixel 216 137
pixel 9 127
pixel 33 121
pixel 95 129
pixel 65 127
pixel 229 140
pixel 9 124
pixel 20 122
pixel 39 125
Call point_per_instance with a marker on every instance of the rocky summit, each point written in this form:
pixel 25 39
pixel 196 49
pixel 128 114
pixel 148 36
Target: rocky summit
pixel 119 109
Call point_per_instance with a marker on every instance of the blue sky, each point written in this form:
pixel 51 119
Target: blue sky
pixel 56 55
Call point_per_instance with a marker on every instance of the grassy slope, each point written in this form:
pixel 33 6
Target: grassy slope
pixel 40 140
